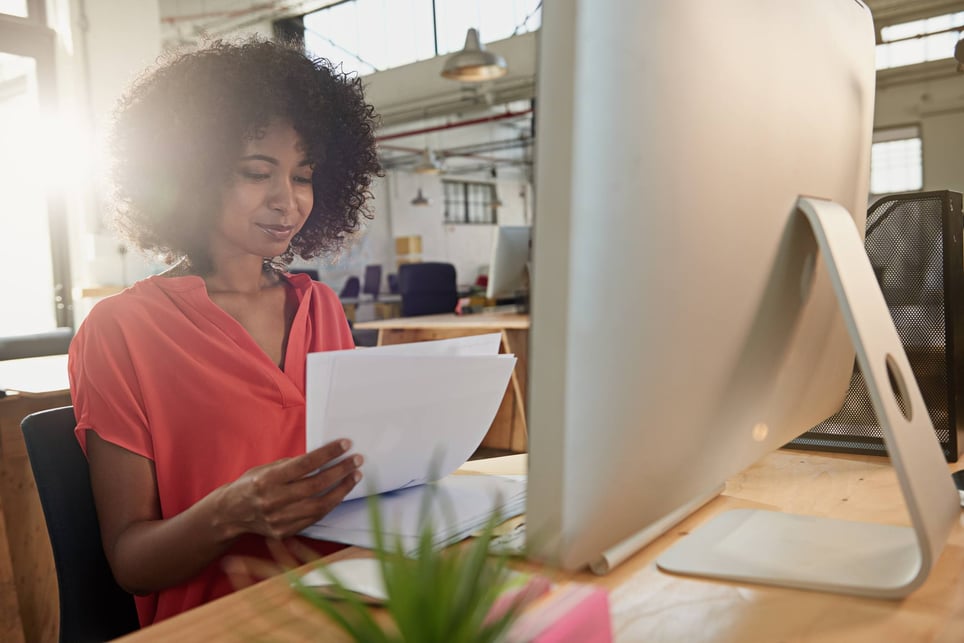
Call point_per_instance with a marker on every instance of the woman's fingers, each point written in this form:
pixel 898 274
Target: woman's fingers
pixel 307 511
pixel 302 465
pixel 325 479
pixel 281 498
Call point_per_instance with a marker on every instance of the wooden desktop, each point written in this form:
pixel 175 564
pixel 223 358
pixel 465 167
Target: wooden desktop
pixel 649 605
pixel 508 430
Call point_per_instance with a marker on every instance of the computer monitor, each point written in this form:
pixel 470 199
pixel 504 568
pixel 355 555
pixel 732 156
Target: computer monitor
pixel 509 266
pixel 684 322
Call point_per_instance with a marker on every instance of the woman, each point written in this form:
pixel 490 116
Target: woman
pixel 188 387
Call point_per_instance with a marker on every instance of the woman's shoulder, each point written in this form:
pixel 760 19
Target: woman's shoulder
pixel 318 289
pixel 147 297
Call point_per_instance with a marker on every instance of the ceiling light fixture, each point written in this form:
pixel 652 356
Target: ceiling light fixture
pixel 496 201
pixel 429 163
pixel 420 199
pixel 474 64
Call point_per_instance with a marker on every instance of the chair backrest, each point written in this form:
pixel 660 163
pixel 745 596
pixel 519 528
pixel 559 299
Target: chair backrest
pixel 393 283
pixel 93 607
pixel 311 272
pixel 373 280
pixel 351 289
pixel 427 288
pixel 52 342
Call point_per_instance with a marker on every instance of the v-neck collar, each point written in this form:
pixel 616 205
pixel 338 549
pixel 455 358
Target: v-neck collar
pixel 193 290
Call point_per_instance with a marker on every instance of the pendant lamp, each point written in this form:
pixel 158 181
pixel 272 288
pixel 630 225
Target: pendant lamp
pixel 420 199
pixel 474 64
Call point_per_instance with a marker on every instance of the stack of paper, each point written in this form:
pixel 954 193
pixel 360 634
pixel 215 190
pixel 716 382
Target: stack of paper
pixel 457 506
pixel 416 412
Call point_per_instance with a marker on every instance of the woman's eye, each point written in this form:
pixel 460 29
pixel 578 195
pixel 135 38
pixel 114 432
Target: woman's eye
pixel 306 180
pixel 254 176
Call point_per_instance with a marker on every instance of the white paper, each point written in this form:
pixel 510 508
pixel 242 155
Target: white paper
pixel 364 576
pixel 359 575
pixel 487 344
pixel 415 414
pixel 461 504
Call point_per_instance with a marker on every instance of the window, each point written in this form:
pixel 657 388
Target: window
pixel 14 8
pixel 34 261
pixel 896 161
pixel 919 41
pixel 467 202
pixel 371 35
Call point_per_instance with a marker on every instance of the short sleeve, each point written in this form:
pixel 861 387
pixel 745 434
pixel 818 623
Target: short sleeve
pixel 336 330
pixel 104 386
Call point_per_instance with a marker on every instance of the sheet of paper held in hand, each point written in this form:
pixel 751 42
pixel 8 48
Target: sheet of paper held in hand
pixel 415 411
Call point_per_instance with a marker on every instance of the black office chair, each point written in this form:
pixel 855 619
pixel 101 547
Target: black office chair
pixel 373 280
pixel 311 272
pixel 93 607
pixel 51 342
pixel 351 289
pixel 427 288
pixel 392 283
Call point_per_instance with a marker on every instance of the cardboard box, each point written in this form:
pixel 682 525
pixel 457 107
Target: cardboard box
pixel 411 245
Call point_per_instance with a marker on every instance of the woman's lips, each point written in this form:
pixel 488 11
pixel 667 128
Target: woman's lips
pixel 276 232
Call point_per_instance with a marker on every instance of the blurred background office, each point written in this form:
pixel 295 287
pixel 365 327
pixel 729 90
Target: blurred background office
pixel 454 83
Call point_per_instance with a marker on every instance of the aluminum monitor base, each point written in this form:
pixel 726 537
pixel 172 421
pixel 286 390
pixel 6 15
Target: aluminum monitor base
pixel 864 559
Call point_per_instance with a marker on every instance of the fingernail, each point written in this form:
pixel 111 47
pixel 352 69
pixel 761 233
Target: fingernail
pixel 345 444
pixel 356 476
pixel 357 460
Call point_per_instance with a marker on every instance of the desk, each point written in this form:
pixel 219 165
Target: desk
pixel 508 430
pixel 29 609
pixel 649 605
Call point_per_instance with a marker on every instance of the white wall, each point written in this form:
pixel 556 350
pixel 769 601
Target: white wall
pixel 373 244
pixel 102 46
pixel 121 38
pixel 467 246
pixel 938 106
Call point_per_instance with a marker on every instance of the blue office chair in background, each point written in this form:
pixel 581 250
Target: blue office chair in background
pixel 311 272
pixel 351 289
pixel 93 607
pixel 427 288
pixel 373 280
pixel 392 283
pixel 51 342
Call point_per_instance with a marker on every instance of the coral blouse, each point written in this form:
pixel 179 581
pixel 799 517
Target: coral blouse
pixel 162 371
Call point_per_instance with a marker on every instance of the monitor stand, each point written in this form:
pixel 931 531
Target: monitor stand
pixel 864 559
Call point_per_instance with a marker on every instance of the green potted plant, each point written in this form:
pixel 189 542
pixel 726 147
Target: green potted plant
pixel 458 594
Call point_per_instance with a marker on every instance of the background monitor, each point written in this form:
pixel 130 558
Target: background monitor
pixel 676 337
pixel 508 268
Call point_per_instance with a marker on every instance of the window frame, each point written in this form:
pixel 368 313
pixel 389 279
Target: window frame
pixel 30 37
pixel 488 205
pixel 893 133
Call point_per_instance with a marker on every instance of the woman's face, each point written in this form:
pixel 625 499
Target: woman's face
pixel 268 196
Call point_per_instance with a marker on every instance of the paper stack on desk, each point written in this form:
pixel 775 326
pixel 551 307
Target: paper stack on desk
pixel 416 412
pixel 463 504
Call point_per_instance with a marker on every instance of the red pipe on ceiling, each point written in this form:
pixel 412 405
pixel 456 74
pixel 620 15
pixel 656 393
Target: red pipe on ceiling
pixel 436 128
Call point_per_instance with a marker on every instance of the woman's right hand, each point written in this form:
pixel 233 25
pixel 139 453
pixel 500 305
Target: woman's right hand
pixel 148 553
pixel 279 499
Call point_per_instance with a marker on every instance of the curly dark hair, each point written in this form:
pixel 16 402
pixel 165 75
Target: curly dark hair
pixel 179 130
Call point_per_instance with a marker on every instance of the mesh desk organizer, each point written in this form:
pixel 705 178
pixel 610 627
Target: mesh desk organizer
pixel 914 244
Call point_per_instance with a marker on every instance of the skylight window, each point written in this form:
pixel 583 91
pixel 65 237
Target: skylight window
pixel 896 161
pixel 366 36
pixel 919 41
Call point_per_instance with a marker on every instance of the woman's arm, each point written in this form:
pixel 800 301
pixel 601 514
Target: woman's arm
pixel 148 553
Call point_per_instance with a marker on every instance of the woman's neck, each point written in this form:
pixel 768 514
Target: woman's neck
pixel 247 275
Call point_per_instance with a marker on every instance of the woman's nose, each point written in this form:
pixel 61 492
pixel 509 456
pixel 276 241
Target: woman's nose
pixel 282 198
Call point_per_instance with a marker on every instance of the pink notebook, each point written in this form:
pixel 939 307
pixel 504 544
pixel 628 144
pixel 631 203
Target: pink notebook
pixel 570 613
